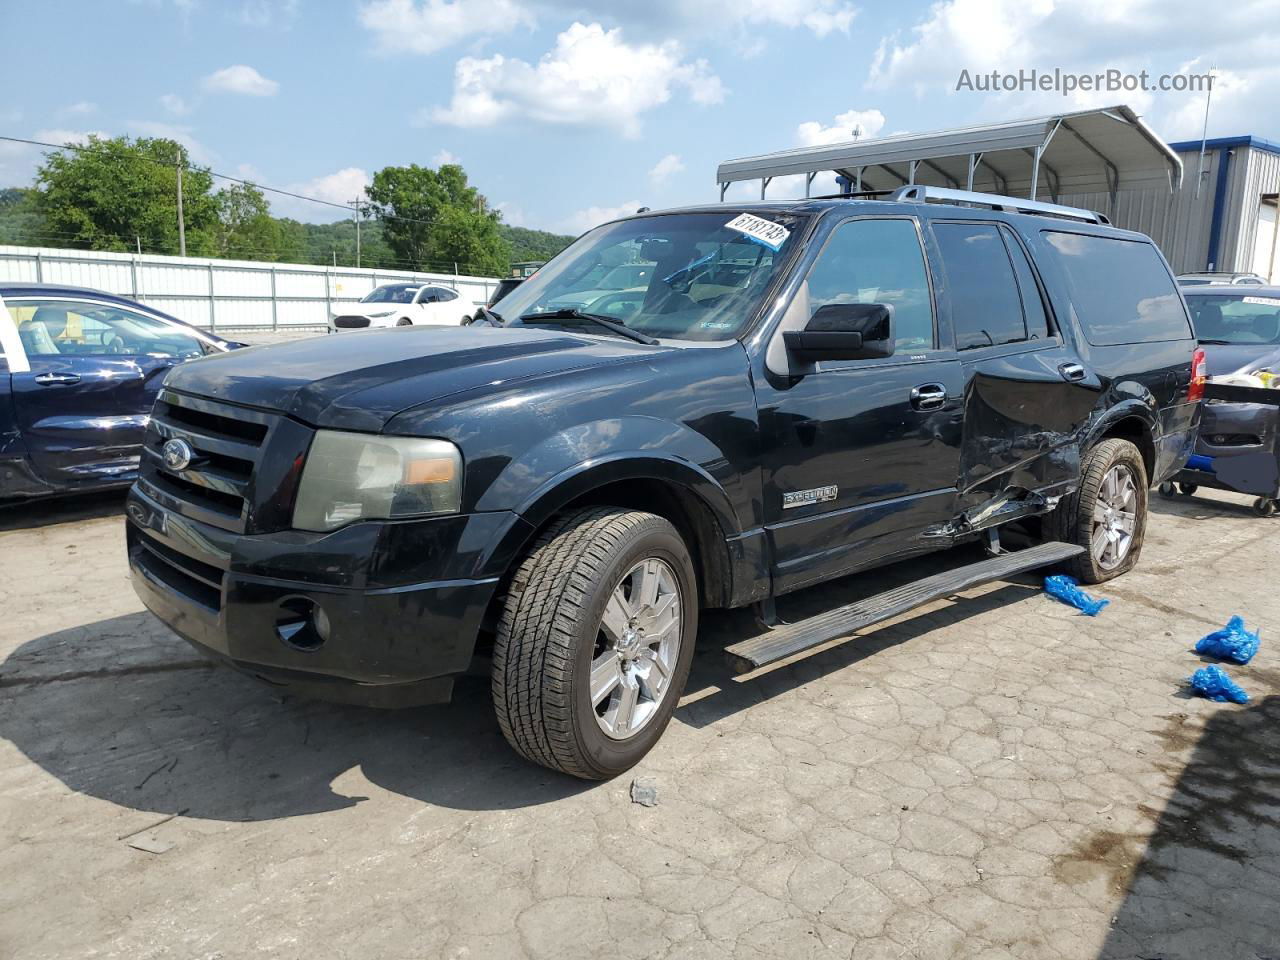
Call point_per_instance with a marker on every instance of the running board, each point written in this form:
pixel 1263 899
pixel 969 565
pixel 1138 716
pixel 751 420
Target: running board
pixel 791 638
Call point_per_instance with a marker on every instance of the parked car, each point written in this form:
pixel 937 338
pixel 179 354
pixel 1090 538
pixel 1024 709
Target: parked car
pixel 1199 279
pixel 889 377
pixel 1239 330
pixel 79 371
pixel 401 305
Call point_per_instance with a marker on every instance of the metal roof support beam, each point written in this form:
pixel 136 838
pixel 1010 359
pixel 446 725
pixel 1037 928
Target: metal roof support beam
pixel 808 182
pixel 955 184
pixel 724 188
pixel 895 174
pixel 859 187
pixel 1113 174
pixel 1055 181
pixel 1000 177
pixel 974 160
pixel 911 171
pixel 764 185
pixel 1035 172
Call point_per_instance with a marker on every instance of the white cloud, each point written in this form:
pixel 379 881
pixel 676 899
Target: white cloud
pixel 240 79
pixel 665 168
pixel 584 220
pixel 512 215
pixel 62 136
pixel 591 77
pixel 175 104
pixel 443 157
pixel 80 109
pixel 868 123
pixel 1091 36
pixel 341 186
pixel 18 161
pixel 268 13
pixel 411 27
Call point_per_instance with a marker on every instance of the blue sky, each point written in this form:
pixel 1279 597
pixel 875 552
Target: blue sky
pixel 565 112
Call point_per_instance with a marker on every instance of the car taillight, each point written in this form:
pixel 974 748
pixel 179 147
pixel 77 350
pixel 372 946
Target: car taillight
pixel 1199 375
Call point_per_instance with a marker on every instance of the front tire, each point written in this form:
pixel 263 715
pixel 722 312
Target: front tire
pixel 404 322
pixel 595 641
pixel 1107 515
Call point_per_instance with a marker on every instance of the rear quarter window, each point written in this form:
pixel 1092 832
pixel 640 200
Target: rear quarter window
pixel 1121 290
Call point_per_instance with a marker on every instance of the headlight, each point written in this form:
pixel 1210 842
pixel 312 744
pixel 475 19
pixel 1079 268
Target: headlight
pixel 359 476
pixel 384 313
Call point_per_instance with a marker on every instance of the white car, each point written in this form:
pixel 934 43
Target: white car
pixel 402 305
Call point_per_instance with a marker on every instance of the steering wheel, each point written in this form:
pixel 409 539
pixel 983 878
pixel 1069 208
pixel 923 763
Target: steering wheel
pixel 116 345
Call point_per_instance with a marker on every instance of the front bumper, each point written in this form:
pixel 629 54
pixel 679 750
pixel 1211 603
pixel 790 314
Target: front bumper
pixel 1242 440
pixel 344 616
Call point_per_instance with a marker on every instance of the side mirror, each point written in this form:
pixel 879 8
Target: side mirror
pixel 844 331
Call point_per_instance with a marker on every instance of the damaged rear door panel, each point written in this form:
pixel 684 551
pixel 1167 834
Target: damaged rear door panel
pixel 1027 396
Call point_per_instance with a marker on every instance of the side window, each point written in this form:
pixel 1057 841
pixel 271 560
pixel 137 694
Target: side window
pixel 986 308
pixel 84 328
pixel 1121 291
pixel 427 295
pixel 1032 302
pixel 446 295
pixel 877 261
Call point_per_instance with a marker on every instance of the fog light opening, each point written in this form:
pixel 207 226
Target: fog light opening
pixel 302 624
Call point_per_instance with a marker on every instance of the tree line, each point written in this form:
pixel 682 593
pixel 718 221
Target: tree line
pixel 122 194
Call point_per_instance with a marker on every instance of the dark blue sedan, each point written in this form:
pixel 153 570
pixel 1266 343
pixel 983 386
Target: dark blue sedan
pixel 79 372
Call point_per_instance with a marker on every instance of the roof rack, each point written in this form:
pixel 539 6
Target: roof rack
pixel 918 193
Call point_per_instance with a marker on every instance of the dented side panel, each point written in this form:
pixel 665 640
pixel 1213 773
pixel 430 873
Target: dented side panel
pixel 1023 424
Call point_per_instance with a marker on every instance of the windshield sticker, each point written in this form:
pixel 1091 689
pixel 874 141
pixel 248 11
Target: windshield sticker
pixel 766 232
pixel 1263 301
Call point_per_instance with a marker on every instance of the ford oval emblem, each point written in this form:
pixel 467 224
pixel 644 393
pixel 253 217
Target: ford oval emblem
pixel 177 454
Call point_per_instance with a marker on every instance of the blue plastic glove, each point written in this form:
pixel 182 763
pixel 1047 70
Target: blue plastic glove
pixel 1233 642
pixel 1067 589
pixel 1212 682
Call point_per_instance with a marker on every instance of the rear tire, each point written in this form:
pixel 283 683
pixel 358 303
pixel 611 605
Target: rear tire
pixel 586 671
pixel 1107 515
pixel 404 322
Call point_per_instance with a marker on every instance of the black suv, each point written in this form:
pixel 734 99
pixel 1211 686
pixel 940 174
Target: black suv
pixel 799 391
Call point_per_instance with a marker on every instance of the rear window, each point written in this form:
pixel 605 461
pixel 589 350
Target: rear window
pixel 1121 291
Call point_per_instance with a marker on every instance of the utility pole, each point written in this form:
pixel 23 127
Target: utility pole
pixel 356 204
pixel 182 225
pixel 1204 134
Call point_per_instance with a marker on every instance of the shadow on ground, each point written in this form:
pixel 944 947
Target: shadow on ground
pixel 47 511
pixel 1204 885
pixel 123 710
pixel 1205 508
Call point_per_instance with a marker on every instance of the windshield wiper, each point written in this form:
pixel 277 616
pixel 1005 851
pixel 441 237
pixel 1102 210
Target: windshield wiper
pixel 1215 343
pixel 572 313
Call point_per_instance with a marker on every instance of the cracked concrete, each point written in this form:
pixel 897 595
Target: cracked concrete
pixel 986 777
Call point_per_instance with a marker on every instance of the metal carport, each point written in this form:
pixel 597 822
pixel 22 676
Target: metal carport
pixel 1087 151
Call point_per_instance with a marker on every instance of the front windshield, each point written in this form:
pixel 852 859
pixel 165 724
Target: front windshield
pixel 391 293
pixel 1236 318
pixel 687 276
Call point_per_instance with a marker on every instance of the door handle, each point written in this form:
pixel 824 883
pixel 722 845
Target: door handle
pixel 1071 372
pixel 928 396
pixel 52 379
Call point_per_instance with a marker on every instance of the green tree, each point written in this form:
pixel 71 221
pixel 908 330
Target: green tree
pixel 432 219
pixel 117 191
pixel 529 244
pixel 20 221
pixel 247 231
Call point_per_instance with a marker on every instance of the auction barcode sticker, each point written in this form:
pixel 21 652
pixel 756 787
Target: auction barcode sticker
pixel 1263 301
pixel 772 235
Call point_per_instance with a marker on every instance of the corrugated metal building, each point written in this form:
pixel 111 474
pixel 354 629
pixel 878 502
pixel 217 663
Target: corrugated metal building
pixel 1222 216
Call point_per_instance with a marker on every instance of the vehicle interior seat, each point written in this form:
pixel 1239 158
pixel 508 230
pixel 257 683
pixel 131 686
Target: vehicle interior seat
pixel 40 335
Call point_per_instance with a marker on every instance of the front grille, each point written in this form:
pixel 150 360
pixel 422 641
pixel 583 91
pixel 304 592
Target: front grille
pixel 1233 439
pixel 199 582
pixel 227 441
pixel 350 323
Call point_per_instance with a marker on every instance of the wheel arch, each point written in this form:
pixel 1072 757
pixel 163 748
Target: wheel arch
pixel 1133 421
pixel 680 492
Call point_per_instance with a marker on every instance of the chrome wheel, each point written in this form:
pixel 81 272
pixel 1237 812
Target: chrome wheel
pixel 637 649
pixel 1115 517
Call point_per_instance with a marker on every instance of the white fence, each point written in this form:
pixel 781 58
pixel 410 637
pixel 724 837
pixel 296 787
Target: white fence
pixel 221 294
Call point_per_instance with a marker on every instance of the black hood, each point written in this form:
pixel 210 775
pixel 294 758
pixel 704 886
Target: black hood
pixel 1226 358
pixel 359 381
